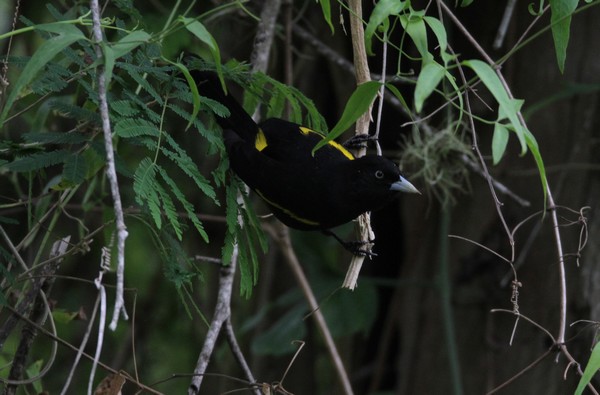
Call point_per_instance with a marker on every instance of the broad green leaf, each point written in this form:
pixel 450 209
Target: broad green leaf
pixel 591 368
pixel 198 30
pixel 438 29
pixel 507 107
pixel 383 10
pixel 40 58
pixel 429 78
pixel 561 25
pixel 326 9
pixel 130 42
pixel 499 142
pixel 357 105
pixel 415 28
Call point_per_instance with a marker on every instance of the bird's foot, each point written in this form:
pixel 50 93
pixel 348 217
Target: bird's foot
pixel 359 141
pixel 355 247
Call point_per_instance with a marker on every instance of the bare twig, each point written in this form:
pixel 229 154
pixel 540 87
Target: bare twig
pixel 110 171
pixel 222 312
pixel 237 353
pixel 281 234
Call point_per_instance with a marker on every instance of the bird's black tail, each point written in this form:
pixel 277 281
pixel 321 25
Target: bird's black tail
pixel 238 120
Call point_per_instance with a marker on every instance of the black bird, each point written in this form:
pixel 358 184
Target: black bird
pixel 304 192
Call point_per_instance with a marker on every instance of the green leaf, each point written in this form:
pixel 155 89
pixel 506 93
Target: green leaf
pixel 198 30
pixel 429 78
pixel 193 88
pixel 75 168
pixel 499 142
pixel 130 42
pixel 414 26
pixel 561 25
pixel 382 11
pixel 326 9
pixel 168 205
pixel 54 138
pixel 357 105
pixel 135 127
pixel 40 58
pixel 37 161
pixel 398 95
pixel 146 188
pixel 508 109
pixel 188 166
pixel 591 368
pixel 507 106
pixel 34 370
pixel 438 29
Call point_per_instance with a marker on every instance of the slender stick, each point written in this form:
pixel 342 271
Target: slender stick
pixel 111 171
pixel 222 312
pixel 283 238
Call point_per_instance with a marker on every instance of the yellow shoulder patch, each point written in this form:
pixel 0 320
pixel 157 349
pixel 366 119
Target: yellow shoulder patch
pixel 261 140
pixel 334 144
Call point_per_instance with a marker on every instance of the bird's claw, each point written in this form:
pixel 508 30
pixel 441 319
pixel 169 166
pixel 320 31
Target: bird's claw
pixel 359 141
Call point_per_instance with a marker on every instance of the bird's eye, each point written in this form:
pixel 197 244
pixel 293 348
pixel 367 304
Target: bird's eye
pixel 379 174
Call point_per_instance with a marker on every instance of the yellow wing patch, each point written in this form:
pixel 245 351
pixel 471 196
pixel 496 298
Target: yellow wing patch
pixel 334 144
pixel 261 140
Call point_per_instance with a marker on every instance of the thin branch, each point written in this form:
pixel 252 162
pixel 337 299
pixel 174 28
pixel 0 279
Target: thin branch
pixel 281 235
pixel 521 372
pixel 111 172
pixel 237 353
pixel 222 312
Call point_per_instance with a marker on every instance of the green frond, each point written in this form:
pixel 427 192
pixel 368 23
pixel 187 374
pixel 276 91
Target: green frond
pixel 75 168
pixel 72 111
pixel 135 127
pixel 55 138
pixel 38 160
pixel 168 205
pixel 146 188
pixel 188 166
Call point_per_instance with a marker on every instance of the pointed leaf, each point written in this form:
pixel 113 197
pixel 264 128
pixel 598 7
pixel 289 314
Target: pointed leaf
pixel 499 142
pixel 40 58
pixel 326 9
pixel 561 25
pixel 357 105
pixel 198 30
pixel 429 78
pixel 382 11
pixel 591 368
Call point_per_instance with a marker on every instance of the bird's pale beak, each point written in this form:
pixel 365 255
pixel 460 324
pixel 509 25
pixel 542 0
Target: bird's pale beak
pixel 403 185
